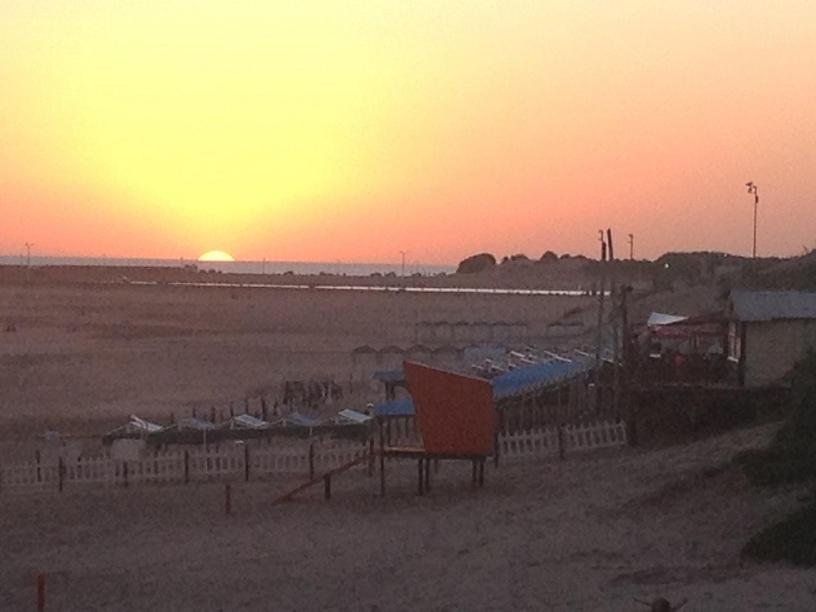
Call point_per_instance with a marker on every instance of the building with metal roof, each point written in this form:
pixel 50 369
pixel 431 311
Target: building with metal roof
pixel 772 305
pixel 768 333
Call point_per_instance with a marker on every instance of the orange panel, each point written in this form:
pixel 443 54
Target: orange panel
pixel 454 412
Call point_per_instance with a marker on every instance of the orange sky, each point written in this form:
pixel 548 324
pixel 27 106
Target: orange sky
pixel 353 130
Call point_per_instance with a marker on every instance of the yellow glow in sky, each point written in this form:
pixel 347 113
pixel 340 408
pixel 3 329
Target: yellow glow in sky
pixel 329 131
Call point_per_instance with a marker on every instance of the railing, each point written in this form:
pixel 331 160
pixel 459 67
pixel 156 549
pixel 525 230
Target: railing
pixel 243 461
pixel 559 440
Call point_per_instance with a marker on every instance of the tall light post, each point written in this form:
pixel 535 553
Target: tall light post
pixel 29 246
pixel 752 188
pixel 631 246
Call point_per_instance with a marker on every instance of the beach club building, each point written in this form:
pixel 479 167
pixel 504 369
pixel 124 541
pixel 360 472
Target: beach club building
pixel 768 333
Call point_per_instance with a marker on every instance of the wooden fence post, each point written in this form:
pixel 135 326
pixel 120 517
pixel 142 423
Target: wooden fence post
pixel 246 461
pixel 382 457
pixel 370 455
pixel 125 473
pixel 263 407
pixel 39 473
pixel 60 472
pixel 327 486
pixel 186 466
pixel 40 592
pixel 311 460
pixel 560 441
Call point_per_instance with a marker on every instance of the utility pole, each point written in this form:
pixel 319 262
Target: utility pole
pixel 403 253
pixel 602 283
pixel 752 188
pixel 29 246
pixel 631 247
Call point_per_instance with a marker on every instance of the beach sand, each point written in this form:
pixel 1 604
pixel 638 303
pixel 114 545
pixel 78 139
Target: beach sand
pixel 592 532
pixel 81 358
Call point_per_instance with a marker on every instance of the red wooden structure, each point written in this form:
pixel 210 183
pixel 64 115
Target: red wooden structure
pixel 456 419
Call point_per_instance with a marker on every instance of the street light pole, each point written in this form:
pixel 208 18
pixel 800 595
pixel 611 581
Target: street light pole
pixel 752 188
pixel 631 246
pixel 28 246
pixel 403 253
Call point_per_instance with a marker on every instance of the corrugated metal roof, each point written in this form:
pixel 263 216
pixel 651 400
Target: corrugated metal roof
pixel 771 305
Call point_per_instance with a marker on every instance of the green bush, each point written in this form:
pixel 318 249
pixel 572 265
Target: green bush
pixel 794 539
pixel 790 458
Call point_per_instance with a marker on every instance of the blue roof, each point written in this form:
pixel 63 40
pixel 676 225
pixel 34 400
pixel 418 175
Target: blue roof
pixel 300 420
pixel 395 408
pixel 520 380
pixel 535 376
pixel 389 375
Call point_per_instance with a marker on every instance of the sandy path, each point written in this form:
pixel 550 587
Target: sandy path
pixel 588 533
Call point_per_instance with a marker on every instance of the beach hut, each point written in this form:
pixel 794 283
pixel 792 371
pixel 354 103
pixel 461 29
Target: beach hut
pixel 768 333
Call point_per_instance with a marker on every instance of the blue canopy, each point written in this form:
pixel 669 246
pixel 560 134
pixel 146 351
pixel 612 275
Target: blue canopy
pixel 514 382
pixel 300 420
pixel 386 376
pixel 537 376
pixel 395 408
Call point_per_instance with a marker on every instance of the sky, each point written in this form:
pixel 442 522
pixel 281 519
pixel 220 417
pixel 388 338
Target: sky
pixel 352 131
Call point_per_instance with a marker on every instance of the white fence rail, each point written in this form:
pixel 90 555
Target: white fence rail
pixel 243 461
pixel 566 439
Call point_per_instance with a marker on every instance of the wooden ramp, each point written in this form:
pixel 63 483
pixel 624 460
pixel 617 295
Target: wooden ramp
pixel 325 478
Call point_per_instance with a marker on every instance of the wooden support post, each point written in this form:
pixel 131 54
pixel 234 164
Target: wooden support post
pixel 370 455
pixel 263 407
pixel 40 592
pixel 560 440
pixel 124 473
pixel 311 460
pixel 427 474
pixel 481 471
pixel 473 477
pixel 186 466
pixel 39 474
pixel 420 489
pixel 382 458
pixel 246 461
pixel 227 498
pixel 327 486
pixel 60 472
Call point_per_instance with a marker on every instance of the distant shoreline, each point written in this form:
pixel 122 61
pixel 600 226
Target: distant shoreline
pixel 490 282
pixel 305 268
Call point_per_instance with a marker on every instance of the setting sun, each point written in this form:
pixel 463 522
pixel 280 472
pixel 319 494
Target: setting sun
pixel 216 256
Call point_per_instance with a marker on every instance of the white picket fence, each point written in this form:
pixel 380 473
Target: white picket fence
pixel 227 462
pixel 223 462
pixel 571 438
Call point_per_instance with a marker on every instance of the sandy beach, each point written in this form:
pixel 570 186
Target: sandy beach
pixel 588 533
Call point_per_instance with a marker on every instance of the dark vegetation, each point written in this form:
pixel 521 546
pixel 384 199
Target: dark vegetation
pixel 476 263
pixel 789 458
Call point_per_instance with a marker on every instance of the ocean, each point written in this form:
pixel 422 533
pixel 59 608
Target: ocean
pixel 239 267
